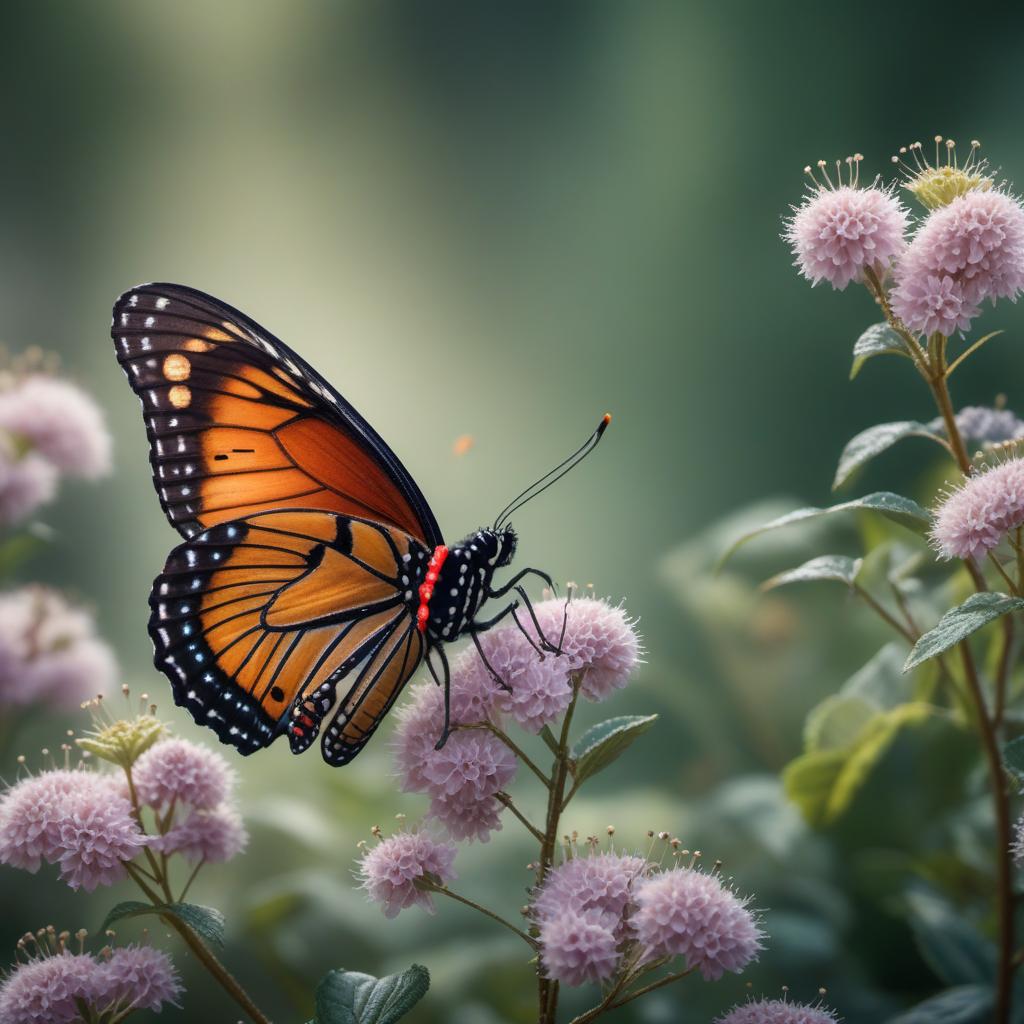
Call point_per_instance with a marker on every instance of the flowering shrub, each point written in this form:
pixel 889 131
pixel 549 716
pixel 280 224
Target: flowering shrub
pixel 55 985
pixel 619 919
pixel 929 280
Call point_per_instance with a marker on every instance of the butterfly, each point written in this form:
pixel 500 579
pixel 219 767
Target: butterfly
pixel 313 579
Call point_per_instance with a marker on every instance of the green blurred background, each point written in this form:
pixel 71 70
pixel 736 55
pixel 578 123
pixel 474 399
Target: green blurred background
pixel 500 220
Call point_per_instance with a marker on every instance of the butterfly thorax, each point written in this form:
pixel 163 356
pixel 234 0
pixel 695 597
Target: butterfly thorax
pixel 457 581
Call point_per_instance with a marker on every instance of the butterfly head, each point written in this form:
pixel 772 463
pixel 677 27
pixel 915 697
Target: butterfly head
pixel 498 547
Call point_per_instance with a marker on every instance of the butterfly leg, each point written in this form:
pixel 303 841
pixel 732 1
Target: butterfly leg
pixel 476 628
pixel 518 579
pixel 445 682
pixel 545 644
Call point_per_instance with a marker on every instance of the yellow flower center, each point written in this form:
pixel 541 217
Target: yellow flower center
pixel 939 186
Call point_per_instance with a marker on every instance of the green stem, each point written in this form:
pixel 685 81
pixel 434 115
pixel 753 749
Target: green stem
pixel 936 373
pixel 938 382
pixel 547 990
pixel 1004 869
pixel 506 801
pixel 191 879
pixel 865 596
pixel 1010 585
pixel 203 954
pixel 1003 672
pixel 445 891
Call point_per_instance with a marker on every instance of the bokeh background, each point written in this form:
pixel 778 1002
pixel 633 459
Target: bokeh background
pixel 500 220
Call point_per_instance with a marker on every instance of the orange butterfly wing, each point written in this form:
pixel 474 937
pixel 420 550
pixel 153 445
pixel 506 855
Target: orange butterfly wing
pixel 258 620
pixel 239 424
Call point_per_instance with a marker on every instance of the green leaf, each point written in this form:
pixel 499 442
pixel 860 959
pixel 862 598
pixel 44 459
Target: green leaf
pixel 823 783
pixel 1013 757
pixel 965 1004
pixel 875 440
pixel 836 722
pixel 877 340
pixel 347 997
pixel 824 567
pixel 207 922
pixel 603 743
pixel 954 950
pixel 894 506
pixel 960 622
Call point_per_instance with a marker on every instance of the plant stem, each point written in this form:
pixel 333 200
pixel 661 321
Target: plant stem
pixel 883 614
pixel 1011 586
pixel 445 891
pixel 937 381
pixel 1003 673
pixel 547 990
pixel 226 980
pixel 506 801
pixel 216 968
pixel 1000 800
pixel 936 373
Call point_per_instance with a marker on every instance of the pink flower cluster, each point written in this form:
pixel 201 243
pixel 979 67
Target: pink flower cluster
pixel 44 990
pixel 77 819
pixel 965 252
pixel 48 427
pixel 196 784
pixel 975 517
pixel 398 871
pixel 838 232
pixel 83 821
pixel 778 1011
pixel 464 777
pixel 49 651
pixel 594 910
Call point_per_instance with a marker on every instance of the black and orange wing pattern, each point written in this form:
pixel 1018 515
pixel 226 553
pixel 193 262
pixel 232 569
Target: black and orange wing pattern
pixel 257 622
pixel 238 423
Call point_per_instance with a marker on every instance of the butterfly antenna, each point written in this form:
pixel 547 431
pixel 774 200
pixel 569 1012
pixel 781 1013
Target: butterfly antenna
pixel 541 485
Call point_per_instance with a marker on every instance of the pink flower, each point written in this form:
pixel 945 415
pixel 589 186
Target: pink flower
pixel 931 302
pixel 778 1011
pixel 49 650
pixel 601 882
pixel 138 978
pixel 965 252
pixel 471 766
pixel 26 483
pixel 34 809
pixel 177 770
pixel 975 517
pixel 598 641
pixel 579 946
pixel 211 836
pixel 838 232
pixel 60 422
pixel 467 819
pixel 44 990
pixel 462 777
pixel 97 835
pixel 689 913
pixel 391 870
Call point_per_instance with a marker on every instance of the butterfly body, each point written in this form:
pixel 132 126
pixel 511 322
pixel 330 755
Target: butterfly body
pixel 449 599
pixel 313 579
